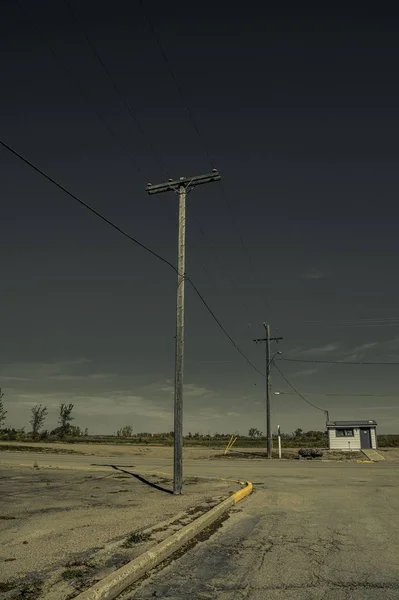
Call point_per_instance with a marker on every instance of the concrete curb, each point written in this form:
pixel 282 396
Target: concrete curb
pixel 113 585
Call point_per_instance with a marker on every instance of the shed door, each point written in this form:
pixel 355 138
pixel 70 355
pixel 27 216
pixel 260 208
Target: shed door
pixel 365 437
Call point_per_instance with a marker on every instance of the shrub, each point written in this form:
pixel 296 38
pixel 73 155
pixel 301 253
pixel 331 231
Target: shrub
pixel 388 441
pixel 310 453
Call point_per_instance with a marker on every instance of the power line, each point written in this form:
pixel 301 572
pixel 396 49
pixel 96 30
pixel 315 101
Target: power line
pixel 350 321
pixel 194 122
pixel 366 323
pixel 337 362
pixel 195 125
pixel 175 79
pixel 243 245
pixel 135 241
pixel 223 329
pixel 134 117
pixel 343 394
pixel 82 91
pixel 115 86
pixel 217 257
pixel 87 206
pixel 136 120
pixel 196 128
pixel 296 391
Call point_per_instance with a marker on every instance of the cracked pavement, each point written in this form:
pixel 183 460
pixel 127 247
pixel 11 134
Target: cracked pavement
pixel 314 531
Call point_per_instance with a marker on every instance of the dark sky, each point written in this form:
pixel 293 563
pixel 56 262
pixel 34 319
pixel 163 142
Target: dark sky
pixel 298 112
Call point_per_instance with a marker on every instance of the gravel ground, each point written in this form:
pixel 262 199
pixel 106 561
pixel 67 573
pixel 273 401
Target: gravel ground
pixel 54 524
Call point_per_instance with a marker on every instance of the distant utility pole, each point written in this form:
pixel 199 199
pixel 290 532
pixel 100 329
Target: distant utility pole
pixel 181 186
pixel 267 341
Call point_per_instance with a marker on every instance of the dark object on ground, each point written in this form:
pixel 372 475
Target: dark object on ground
pixel 310 453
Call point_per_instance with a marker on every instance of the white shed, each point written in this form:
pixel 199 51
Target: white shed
pixel 352 435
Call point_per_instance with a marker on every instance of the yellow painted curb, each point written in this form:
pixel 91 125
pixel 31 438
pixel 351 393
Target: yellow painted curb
pixel 113 585
pixel 242 493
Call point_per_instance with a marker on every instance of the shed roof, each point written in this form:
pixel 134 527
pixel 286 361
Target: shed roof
pixel 351 424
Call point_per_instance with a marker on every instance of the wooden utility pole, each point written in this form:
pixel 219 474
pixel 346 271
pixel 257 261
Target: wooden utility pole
pixel 269 361
pixel 181 187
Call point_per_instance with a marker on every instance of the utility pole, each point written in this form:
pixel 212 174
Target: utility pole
pixel 269 361
pixel 181 186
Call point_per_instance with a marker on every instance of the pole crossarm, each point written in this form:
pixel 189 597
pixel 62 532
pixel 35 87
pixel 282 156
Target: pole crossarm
pixel 187 182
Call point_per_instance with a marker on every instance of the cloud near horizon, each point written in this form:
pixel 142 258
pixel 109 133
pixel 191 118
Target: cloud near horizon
pixel 104 402
pixel 59 370
pixel 321 349
pixel 305 372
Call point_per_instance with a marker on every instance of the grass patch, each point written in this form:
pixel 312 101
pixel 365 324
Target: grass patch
pixel 75 573
pixel 137 537
pixel 200 508
pixel 337 455
pixel 76 569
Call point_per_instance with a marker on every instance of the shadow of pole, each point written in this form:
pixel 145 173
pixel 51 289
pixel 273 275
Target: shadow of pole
pixel 155 486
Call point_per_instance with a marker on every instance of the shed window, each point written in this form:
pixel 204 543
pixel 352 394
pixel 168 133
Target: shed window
pixel 344 432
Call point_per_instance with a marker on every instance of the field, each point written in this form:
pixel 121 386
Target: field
pixel 309 439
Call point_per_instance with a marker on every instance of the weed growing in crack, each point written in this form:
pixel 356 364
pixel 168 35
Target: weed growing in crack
pixel 137 537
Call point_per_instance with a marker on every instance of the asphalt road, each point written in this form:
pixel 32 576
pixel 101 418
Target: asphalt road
pixel 27 459
pixel 310 531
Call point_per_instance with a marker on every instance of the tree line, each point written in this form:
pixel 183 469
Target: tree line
pixel 38 416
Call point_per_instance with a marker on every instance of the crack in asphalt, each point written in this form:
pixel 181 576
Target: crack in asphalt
pixel 331 585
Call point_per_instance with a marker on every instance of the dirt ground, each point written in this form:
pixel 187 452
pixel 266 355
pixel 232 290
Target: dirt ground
pixel 164 452
pixel 60 530
pixel 110 449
